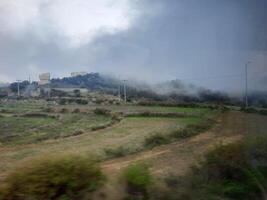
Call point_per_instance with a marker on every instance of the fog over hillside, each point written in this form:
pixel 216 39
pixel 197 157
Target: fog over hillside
pixel 206 43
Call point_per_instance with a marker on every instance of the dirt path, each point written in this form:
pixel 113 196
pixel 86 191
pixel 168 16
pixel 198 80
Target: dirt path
pixel 183 153
pixel 176 158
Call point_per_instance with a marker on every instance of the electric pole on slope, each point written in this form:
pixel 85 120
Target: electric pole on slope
pixel 18 84
pixel 125 92
pixel 246 68
pixel 119 92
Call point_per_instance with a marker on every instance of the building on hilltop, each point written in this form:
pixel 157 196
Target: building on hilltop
pixel 44 79
pixel 74 74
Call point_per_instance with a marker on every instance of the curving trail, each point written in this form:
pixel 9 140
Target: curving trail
pixel 178 157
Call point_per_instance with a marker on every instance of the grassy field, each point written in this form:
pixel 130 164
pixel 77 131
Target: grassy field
pixel 24 137
pixel 23 129
pixel 30 130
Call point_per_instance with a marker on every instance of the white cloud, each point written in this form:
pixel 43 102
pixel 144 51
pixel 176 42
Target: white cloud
pixel 16 16
pixel 77 21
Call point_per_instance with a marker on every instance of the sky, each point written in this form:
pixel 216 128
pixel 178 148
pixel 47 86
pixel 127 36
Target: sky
pixel 207 42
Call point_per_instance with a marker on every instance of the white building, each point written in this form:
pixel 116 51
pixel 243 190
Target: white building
pixel 44 79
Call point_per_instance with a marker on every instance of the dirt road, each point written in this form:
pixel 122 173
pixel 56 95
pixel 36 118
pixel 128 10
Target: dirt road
pixel 176 158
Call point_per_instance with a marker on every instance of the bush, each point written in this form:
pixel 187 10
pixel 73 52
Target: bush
pixel 102 111
pixel 53 178
pixel 76 110
pixel 41 115
pixel 192 130
pixel 64 110
pixel 49 109
pixel 158 114
pixel 156 140
pixel 81 101
pixel 232 171
pixel 116 152
pixel 236 170
pixel 62 101
pixel 254 110
pixel 137 178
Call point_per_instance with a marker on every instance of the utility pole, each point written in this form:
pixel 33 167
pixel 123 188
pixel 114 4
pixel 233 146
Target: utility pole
pixel 18 84
pixel 125 97
pixel 246 68
pixel 119 92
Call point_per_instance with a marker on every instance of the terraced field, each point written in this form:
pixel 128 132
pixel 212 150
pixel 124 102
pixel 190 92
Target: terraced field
pixel 24 136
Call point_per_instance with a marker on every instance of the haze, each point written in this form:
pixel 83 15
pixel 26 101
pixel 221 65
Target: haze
pixel 205 42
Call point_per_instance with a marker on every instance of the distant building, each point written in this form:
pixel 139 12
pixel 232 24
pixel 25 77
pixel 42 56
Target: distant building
pixel 44 79
pixel 74 74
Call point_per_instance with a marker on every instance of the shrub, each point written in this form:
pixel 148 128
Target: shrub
pixel 263 112
pixel 64 110
pixel 137 178
pixel 192 129
pixel 52 178
pixel 156 140
pixel 41 115
pixel 233 171
pixel 49 109
pixel 81 101
pixel 62 101
pixel 116 152
pixel 102 111
pixel 76 110
pixel 102 126
pixel 78 132
pixel 158 114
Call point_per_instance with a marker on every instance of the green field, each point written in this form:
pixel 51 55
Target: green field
pixel 28 129
pixel 21 130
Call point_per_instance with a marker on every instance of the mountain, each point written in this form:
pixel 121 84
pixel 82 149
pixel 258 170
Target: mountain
pixel 172 91
pixel 92 81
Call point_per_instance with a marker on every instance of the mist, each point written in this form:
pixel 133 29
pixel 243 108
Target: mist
pixel 206 43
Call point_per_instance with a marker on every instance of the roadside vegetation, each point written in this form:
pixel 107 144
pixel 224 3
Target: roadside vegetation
pixel 260 111
pixel 181 133
pixel 234 171
pixel 137 179
pixel 54 177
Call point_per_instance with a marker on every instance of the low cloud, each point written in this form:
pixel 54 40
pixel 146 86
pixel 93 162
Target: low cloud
pixel 205 42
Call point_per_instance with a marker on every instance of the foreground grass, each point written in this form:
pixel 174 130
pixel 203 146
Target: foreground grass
pixel 138 179
pixel 57 177
pixel 233 171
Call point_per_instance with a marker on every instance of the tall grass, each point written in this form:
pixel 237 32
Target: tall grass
pixel 137 178
pixel 189 131
pixel 68 177
pixel 235 171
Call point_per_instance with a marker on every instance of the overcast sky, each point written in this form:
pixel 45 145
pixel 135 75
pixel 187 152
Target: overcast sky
pixel 205 42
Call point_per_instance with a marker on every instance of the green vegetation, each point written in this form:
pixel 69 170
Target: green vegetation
pixel 137 178
pixel 116 152
pixel 194 127
pixel 22 107
pixel 31 128
pixel 156 140
pixel 102 111
pixel 254 110
pixel 58 177
pixel 233 171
